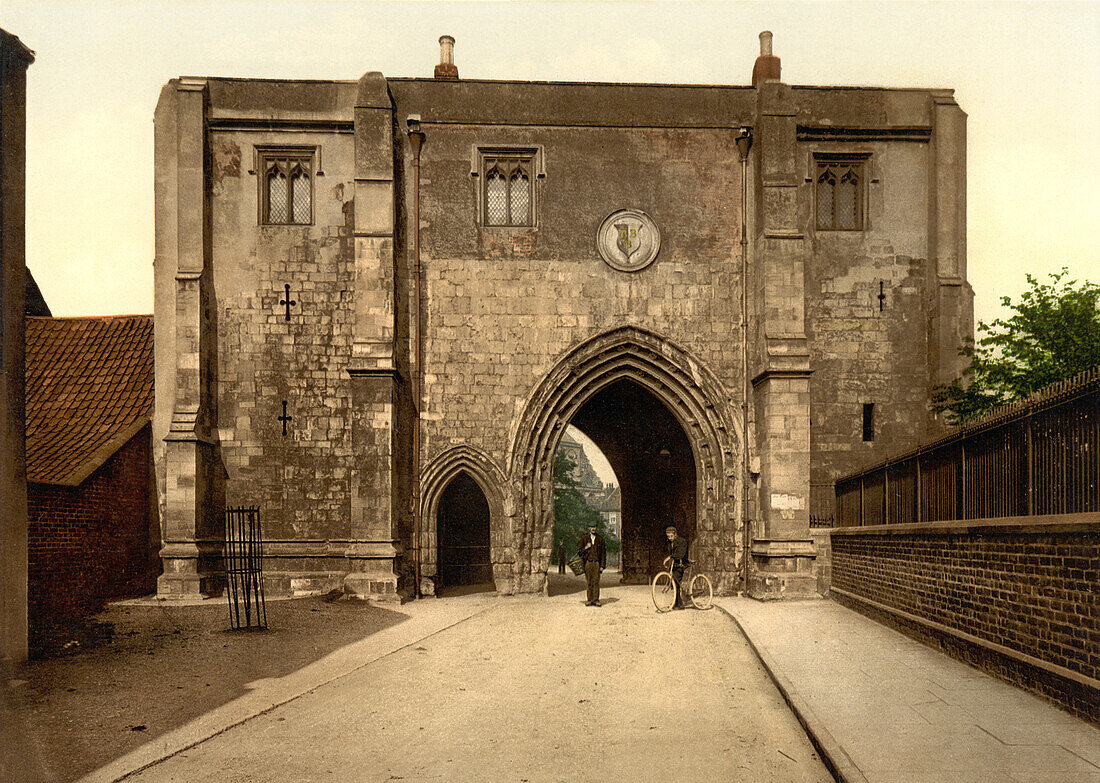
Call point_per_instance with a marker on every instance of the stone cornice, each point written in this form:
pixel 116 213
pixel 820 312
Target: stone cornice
pixel 831 133
pixel 226 124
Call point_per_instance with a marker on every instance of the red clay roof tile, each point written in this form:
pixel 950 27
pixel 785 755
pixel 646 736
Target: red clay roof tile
pixel 89 384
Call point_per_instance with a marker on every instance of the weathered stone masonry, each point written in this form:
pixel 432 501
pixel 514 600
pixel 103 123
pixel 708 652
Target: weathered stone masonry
pixel 524 329
pixel 15 59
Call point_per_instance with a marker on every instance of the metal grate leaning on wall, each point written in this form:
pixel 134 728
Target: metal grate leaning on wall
pixel 244 554
pixel 1036 456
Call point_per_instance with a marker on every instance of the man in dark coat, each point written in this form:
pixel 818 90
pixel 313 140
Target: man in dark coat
pixel 593 553
pixel 678 554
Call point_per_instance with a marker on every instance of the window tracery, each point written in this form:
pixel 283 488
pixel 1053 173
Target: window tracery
pixel 839 195
pixel 287 191
pixel 508 197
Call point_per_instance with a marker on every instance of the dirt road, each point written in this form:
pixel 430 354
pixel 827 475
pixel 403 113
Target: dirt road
pixel 535 689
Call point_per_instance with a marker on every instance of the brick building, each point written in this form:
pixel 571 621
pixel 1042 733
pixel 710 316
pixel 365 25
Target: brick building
pixel 92 532
pixel 369 290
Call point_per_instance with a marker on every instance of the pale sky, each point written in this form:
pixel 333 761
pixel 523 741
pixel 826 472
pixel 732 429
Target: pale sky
pixel 1027 74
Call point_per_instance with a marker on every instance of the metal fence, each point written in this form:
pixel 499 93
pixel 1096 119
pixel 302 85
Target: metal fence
pixel 244 555
pixel 1039 455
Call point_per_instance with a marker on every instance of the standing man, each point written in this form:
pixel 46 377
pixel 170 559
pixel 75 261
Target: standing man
pixel 594 554
pixel 678 554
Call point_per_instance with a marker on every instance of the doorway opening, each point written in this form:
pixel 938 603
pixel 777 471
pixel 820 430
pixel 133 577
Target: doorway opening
pixel 586 492
pixel 655 466
pixel 462 531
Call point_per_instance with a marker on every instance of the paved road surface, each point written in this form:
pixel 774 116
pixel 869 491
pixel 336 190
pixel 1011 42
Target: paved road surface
pixel 534 689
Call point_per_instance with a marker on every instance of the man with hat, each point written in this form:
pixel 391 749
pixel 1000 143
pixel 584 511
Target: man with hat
pixel 678 555
pixel 593 554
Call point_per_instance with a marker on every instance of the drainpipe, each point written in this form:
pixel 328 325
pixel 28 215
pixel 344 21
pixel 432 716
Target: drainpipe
pixel 744 144
pixel 416 139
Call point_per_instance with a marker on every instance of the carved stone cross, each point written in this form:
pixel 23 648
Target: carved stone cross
pixel 286 300
pixel 284 418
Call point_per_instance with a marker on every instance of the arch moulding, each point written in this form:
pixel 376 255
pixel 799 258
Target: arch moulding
pixel 434 480
pixel 691 392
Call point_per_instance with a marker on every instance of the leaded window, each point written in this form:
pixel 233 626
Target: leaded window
pixel 286 192
pixel 840 195
pixel 508 198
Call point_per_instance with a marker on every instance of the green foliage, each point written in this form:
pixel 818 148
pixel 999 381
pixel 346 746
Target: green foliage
pixel 1053 333
pixel 572 514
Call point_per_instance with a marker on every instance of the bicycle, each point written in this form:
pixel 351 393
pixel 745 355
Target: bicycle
pixel 663 588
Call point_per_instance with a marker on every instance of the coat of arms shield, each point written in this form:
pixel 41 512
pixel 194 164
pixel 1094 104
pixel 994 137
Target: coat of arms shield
pixel 628 240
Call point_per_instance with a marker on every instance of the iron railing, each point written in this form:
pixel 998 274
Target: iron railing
pixel 1039 455
pixel 244 555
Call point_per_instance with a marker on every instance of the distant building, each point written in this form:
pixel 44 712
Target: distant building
pixel 608 501
pixel 90 487
pixel 604 498
pixel 588 481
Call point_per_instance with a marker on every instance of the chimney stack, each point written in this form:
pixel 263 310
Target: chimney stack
pixel 767 64
pixel 446 68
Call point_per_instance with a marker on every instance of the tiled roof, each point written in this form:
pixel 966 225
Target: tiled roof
pixel 89 390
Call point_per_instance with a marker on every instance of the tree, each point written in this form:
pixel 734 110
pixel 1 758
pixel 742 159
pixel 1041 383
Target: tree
pixel 1053 333
pixel 572 514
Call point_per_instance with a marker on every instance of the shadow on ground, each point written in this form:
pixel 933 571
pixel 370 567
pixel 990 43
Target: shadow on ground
pixel 163 667
pixel 457 590
pixel 567 583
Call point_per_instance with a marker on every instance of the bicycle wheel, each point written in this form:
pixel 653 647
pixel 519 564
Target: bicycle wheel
pixel 700 592
pixel 664 591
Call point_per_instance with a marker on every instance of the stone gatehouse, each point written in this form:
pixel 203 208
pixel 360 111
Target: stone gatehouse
pixel 372 292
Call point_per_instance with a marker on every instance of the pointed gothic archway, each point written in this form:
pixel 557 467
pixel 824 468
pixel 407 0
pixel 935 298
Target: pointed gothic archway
pixel 689 392
pixel 454 479
pixel 654 463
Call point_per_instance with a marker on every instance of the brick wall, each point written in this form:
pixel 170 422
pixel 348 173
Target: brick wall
pixel 91 543
pixel 1019 600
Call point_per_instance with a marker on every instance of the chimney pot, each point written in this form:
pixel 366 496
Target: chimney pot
pixel 766 43
pixel 446 68
pixel 767 64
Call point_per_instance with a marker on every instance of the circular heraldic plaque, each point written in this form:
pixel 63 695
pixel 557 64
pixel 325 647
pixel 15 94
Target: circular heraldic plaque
pixel 628 240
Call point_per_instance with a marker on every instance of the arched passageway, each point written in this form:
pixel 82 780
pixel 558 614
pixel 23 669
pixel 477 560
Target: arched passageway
pixel 462 530
pixel 708 442
pixel 653 460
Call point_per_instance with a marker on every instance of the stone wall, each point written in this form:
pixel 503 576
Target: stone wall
pixel 93 542
pixel 15 58
pixel 874 305
pixel 502 306
pixel 1014 596
pixel 301 480
pixel 522 326
pixel 823 563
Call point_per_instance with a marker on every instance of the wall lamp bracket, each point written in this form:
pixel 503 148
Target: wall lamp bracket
pixel 744 140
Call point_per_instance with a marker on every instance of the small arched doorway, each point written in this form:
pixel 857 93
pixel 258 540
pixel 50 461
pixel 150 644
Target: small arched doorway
pixel 462 534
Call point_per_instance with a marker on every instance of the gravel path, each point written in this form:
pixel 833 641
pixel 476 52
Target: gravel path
pixel 164 665
pixel 535 689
